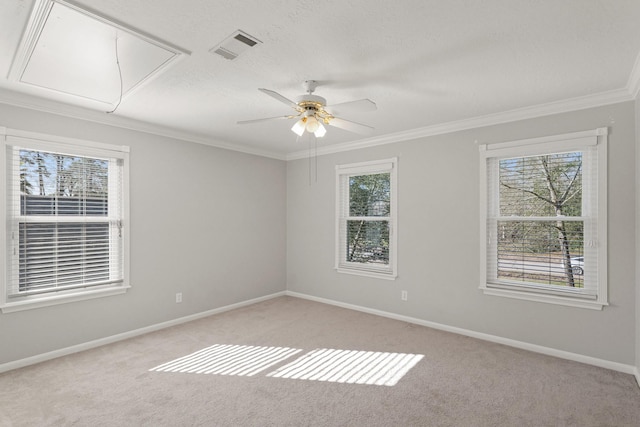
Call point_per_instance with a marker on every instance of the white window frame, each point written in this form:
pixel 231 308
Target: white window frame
pixel 12 138
pixel 343 172
pixel 596 215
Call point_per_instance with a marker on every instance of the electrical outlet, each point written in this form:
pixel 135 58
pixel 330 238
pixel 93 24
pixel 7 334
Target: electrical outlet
pixel 179 297
pixel 403 295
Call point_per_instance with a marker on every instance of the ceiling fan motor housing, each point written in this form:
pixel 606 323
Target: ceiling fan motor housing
pixel 313 106
pixel 312 100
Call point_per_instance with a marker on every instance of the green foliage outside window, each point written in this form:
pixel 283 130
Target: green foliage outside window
pixel 368 230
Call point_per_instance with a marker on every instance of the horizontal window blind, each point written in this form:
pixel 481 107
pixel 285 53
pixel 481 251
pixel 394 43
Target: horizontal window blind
pixel 65 215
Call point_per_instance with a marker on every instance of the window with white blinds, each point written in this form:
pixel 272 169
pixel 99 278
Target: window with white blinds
pixel 366 218
pixel 65 211
pixel 544 219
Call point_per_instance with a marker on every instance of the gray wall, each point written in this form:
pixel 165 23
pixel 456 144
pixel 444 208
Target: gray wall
pixel 637 105
pixel 211 224
pixel 438 254
pixel 207 222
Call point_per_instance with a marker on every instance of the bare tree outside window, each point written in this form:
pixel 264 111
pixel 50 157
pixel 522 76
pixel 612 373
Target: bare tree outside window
pixel 540 231
pixel 369 209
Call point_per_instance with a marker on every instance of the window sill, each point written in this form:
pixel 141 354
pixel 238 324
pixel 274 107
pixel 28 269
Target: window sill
pixel 46 301
pixel 545 298
pixel 367 273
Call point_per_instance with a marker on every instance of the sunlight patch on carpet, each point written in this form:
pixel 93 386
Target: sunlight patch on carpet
pixel 349 367
pixel 219 359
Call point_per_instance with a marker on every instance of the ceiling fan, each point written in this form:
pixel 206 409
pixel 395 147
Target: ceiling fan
pixel 313 112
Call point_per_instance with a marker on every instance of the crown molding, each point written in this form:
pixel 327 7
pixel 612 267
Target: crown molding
pixel 573 104
pixel 17 99
pixel 633 85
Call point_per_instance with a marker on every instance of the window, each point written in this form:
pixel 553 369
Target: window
pixel 543 226
pixel 65 214
pixel 366 218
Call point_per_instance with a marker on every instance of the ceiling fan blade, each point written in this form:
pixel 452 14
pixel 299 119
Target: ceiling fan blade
pixel 359 106
pixel 350 126
pixel 244 122
pixel 280 98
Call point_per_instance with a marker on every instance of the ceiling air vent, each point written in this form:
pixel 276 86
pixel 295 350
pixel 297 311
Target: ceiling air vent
pixel 234 45
pixel 225 53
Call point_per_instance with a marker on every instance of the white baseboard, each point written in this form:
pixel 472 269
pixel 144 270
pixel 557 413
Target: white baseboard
pixel 130 334
pixel 620 367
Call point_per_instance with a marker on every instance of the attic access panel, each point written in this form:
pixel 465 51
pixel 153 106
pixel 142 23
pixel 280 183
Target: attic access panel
pixel 70 50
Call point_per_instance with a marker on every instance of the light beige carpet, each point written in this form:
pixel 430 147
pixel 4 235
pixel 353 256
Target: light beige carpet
pixel 447 380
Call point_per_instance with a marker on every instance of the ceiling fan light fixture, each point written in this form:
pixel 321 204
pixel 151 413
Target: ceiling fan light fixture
pixel 299 127
pixel 321 131
pixel 312 124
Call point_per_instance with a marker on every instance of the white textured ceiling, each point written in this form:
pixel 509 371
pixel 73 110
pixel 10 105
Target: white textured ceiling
pixel 424 62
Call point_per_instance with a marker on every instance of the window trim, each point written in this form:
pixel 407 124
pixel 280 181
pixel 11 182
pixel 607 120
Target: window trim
pixel 368 168
pixel 33 140
pixel 539 146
